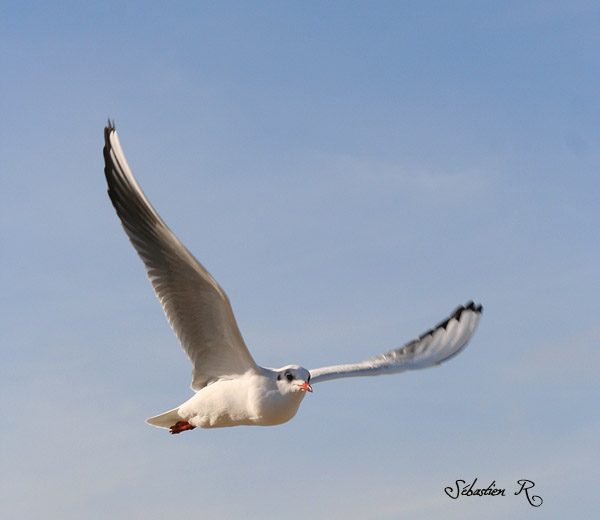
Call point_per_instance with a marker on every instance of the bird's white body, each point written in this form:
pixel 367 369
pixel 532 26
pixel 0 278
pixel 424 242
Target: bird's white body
pixel 249 399
pixel 231 389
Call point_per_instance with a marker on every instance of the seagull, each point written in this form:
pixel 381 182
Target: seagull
pixel 230 388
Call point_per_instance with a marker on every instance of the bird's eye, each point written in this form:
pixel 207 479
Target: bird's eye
pixel 289 376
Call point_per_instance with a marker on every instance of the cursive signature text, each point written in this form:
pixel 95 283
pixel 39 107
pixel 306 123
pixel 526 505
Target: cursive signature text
pixel 461 488
pixel 469 490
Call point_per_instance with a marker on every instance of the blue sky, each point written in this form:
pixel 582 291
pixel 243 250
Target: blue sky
pixel 349 172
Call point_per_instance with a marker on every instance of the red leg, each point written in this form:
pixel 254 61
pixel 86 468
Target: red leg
pixel 181 426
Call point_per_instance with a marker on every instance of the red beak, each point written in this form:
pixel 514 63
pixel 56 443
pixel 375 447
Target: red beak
pixel 306 386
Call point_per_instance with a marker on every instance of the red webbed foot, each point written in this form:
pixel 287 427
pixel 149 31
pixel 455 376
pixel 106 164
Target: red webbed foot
pixel 181 426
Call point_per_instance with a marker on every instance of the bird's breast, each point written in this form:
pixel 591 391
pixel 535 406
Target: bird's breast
pixel 275 408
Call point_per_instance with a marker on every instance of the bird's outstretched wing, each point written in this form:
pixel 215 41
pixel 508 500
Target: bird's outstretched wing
pixel 431 348
pixel 194 303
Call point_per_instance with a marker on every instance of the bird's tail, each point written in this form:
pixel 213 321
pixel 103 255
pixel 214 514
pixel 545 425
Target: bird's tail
pixel 165 420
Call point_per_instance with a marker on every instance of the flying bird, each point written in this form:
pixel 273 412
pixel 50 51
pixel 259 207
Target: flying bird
pixel 230 388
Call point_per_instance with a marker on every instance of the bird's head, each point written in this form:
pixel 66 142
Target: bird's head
pixel 293 378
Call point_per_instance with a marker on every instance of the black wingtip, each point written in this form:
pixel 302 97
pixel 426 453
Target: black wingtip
pixel 474 307
pixel 469 306
pixel 108 129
